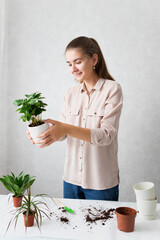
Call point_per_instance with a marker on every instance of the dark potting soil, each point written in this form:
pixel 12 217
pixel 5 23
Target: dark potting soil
pixel 64 219
pixel 92 215
pixel 60 217
pixel 95 215
pixel 38 124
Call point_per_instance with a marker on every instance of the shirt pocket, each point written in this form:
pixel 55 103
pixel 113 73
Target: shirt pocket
pixel 94 117
pixel 96 113
pixel 72 116
pixel 72 112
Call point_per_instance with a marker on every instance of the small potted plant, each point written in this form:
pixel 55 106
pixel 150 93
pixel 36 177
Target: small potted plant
pixel 32 107
pixel 17 185
pixel 31 208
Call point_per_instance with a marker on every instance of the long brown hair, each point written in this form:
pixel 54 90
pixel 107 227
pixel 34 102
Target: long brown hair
pixel 90 46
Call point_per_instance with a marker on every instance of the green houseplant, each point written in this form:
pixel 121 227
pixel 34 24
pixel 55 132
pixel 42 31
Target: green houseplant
pixel 31 108
pixel 31 208
pixel 17 185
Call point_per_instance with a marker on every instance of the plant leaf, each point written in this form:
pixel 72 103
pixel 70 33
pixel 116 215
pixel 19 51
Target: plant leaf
pixel 18 102
pixel 7 185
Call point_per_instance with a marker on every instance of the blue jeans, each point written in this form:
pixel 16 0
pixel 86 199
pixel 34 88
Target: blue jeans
pixel 77 192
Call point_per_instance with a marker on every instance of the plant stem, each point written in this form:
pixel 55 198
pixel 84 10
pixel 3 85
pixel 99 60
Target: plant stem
pixel 29 200
pixel 36 120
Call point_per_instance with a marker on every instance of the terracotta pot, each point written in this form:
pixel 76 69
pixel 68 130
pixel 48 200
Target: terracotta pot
pixel 126 218
pixel 17 201
pixel 28 222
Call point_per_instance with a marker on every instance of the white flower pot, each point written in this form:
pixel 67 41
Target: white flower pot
pixel 37 130
pixel 147 208
pixel 144 190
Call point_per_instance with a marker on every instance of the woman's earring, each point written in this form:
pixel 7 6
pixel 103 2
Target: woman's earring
pixel 94 67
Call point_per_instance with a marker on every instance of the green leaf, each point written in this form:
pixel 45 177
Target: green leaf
pixel 18 102
pixel 32 101
pixel 31 182
pixel 23 118
pixel 28 96
pixel 7 178
pixel 12 175
pixel 37 95
pixel 26 178
pixel 7 185
pixel 15 187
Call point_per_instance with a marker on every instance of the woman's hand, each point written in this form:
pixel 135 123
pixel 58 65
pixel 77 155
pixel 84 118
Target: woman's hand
pixel 55 132
pixel 29 136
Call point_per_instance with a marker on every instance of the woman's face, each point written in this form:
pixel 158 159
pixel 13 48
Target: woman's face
pixel 81 66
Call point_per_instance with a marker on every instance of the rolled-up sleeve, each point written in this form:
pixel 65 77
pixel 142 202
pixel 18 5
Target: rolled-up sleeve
pixel 109 123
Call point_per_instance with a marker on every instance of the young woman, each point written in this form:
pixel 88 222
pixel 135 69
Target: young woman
pixel 90 122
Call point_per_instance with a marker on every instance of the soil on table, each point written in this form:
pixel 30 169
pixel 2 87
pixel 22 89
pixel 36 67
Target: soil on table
pixel 92 215
pixel 99 214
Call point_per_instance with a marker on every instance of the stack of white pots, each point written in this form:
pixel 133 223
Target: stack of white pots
pixel 146 199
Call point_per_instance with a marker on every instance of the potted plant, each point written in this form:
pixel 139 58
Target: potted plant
pixel 31 208
pixel 32 107
pixel 17 185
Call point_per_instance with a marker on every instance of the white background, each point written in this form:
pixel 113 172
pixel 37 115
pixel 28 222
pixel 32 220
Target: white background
pixel 34 34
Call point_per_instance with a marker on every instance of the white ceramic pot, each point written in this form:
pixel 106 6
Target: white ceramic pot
pixel 147 208
pixel 144 190
pixel 37 130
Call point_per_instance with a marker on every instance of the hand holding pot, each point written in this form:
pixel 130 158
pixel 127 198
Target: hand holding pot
pixel 55 132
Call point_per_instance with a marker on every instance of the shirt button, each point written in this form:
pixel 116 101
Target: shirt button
pixel 83 119
pixel 80 157
pixel 95 113
pixel 81 144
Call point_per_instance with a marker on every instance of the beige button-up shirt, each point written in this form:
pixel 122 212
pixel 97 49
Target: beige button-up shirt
pixel 93 165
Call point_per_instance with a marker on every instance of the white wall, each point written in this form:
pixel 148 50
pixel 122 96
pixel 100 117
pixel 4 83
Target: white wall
pixel 3 94
pixel 129 35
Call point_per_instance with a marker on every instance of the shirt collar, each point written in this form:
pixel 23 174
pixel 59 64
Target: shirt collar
pixel 96 87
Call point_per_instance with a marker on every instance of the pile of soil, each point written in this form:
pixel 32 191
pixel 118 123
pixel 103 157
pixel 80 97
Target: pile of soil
pixel 91 215
pixel 95 215
pixel 64 219
pixel 60 215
